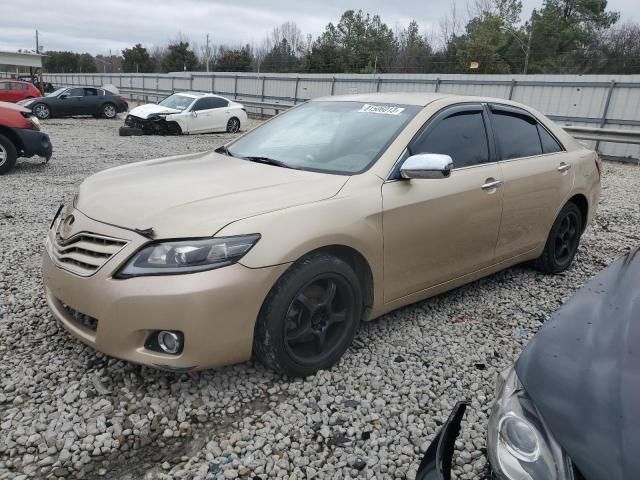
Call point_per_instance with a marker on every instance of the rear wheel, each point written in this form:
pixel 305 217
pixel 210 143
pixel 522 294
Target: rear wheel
pixel 562 243
pixel 8 154
pixel 233 125
pixel 109 110
pixel 310 316
pixel 41 111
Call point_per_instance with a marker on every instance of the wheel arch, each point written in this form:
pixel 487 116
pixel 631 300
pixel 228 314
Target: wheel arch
pixel 582 203
pixel 360 266
pixel 11 135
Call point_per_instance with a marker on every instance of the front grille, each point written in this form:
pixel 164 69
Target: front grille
pixel 85 253
pixel 82 319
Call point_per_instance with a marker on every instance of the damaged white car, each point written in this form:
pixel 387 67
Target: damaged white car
pixel 188 113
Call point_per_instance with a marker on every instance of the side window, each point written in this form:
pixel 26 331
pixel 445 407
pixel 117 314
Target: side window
pixel 75 92
pixel 462 136
pixel 4 85
pixel 549 144
pixel 90 92
pixel 218 102
pixel 201 104
pixel 516 135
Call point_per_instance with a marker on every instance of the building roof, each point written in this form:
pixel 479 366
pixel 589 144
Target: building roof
pixel 21 59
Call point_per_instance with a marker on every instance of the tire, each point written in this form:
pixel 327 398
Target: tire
pixel 562 242
pixel 8 154
pixel 233 125
pixel 42 111
pixel 109 110
pixel 305 325
pixel 130 132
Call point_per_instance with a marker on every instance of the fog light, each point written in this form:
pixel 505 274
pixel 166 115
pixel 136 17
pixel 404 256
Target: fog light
pixel 169 342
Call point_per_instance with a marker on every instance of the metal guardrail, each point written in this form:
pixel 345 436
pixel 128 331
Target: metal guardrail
pixel 604 134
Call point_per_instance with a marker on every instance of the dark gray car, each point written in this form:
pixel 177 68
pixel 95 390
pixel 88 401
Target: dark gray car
pixel 72 101
pixel 570 407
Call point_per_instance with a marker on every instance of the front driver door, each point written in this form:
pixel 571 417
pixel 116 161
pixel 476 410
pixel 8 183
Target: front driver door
pixel 436 230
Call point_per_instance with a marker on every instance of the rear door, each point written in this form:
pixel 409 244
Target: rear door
pixel 538 177
pixel 436 230
pixel 90 103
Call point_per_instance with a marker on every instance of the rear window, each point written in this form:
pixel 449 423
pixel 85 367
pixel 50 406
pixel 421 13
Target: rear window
pixel 549 144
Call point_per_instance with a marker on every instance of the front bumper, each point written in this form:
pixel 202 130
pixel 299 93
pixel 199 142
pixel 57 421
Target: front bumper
pixel 34 142
pixel 216 310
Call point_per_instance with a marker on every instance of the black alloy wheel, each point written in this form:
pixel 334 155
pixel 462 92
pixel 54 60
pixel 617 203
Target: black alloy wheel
pixel 562 242
pixel 318 319
pixel 310 316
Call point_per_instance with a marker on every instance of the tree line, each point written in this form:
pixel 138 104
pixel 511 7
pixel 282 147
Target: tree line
pixel 562 36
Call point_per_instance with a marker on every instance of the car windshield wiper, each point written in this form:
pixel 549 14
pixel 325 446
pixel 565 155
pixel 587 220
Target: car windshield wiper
pixel 269 161
pixel 224 150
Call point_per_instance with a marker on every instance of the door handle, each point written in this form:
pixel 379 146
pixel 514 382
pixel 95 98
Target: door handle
pixel 564 167
pixel 491 185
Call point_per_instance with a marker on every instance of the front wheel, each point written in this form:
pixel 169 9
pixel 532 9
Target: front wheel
pixel 233 125
pixel 562 243
pixel 8 154
pixel 310 316
pixel 41 111
pixel 109 110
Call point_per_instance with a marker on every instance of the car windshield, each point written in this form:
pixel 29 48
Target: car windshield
pixel 179 102
pixel 57 92
pixel 332 137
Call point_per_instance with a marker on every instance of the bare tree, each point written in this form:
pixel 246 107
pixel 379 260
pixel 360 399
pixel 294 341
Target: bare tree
pixel 450 25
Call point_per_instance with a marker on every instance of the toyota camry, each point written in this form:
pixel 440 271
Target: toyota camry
pixel 278 244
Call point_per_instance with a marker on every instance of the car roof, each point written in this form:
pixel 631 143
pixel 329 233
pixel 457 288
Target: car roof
pixel 413 98
pixel 12 80
pixel 198 94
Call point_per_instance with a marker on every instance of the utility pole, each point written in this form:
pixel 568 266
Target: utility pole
pixel 37 43
pixel 208 53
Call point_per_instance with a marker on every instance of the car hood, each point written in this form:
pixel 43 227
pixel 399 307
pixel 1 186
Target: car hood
pixel 13 106
pixel 143 111
pixel 196 195
pixel 582 371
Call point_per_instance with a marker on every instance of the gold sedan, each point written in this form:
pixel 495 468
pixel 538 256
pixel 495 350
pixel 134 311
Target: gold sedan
pixel 280 243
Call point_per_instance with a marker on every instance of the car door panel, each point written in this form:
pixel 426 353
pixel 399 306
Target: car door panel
pixel 535 186
pixel 534 192
pixel 436 230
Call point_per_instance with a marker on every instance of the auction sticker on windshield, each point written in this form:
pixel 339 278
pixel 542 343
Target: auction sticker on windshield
pixel 383 109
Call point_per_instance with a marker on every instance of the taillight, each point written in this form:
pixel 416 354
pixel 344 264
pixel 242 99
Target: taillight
pixel 123 100
pixel 599 166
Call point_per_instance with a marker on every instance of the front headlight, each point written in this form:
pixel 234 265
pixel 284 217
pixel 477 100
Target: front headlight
pixel 35 122
pixel 518 443
pixel 187 256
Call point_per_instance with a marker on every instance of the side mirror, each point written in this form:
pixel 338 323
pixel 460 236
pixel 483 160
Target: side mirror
pixel 194 114
pixel 427 165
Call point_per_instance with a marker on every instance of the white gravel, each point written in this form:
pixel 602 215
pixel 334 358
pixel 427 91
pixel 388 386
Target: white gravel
pixel 69 412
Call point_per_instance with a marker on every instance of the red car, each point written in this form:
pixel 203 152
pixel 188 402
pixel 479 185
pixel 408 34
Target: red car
pixel 15 90
pixel 20 136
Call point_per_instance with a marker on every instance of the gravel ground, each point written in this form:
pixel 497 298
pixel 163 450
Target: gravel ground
pixel 68 412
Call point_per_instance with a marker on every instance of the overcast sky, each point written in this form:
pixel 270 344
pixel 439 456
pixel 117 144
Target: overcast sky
pixel 97 27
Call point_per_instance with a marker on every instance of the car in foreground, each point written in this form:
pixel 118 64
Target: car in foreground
pixel 15 91
pixel 20 136
pixel 568 408
pixel 76 101
pixel 186 113
pixel 337 211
